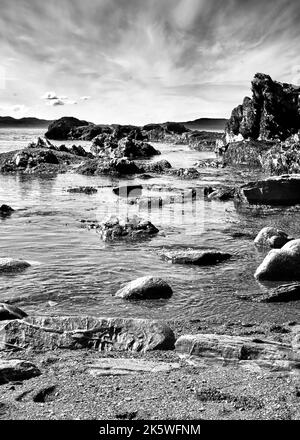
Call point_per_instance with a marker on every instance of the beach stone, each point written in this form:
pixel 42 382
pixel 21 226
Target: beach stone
pixel 239 350
pixel 17 369
pixel 148 287
pixel 271 237
pixel 122 366
pixel 280 190
pixel 5 210
pixel 8 312
pixel 197 257
pixel 74 332
pixel 12 265
pixel 131 229
pixel 281 264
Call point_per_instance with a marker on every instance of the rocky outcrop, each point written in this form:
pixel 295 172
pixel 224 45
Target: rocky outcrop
pixel 72 332
pixel 242 351
pixel 283 158
pixel 196 257
pixel 281 264
pixel 273 112
pixel 17 370
pixel 125 229
pixel 270 237
pixel 246 153
pixel 12 265
pixel 61 129
pixel 9 312
pixel 147 287
pixel 282 190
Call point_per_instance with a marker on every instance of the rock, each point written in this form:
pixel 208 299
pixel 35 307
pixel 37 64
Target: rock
pixel 271 237
pixel 83 190
pixel 196 257
pixel 75 332
pixel 283 293
pixel 12 265
pixel 9 312
pixel 5 210
pixel 281 264
pixel 248 153
pixel 79 151
pixel 282 190
pixel 243 351
pixel 128 190
pixel 61 128
pixel 186 173
pixel 17 369
pixel 156 167
pixel 282 159
pixel 121 366
pixel 273 112
pixel 222 194
pixel 132 229
pixel 148 287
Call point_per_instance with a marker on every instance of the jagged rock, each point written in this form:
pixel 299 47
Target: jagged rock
pixel 222 194
pixel 282 190
pixel 281 264
pixel 271 237
pixel 79 151
pixel 5 210
pixel 147 287
pixel 61 128
pixel 83 190
pixel 196 257
pixel 117 166
pixel 273 112
pixel 283 158
pixel 17 369
pixel 243 351
pixel 75 332
pixel 12 265
pixel 129 229
pixel 9 312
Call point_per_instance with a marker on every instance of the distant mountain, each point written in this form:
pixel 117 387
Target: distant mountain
pixel 206 124
pixel 8 121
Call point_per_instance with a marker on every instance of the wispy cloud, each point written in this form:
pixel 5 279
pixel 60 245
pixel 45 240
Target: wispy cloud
pixel 144 60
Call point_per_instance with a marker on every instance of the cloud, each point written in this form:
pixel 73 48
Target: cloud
pixel 142 60
pixel 85 98
pixel 55 102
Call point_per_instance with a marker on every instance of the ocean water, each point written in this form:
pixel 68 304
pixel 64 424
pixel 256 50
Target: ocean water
pixel 79 273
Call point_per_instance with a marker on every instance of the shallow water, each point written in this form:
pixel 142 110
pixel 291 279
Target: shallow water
pixel 72 267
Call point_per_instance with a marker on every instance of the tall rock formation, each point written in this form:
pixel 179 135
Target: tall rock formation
pixel 273 112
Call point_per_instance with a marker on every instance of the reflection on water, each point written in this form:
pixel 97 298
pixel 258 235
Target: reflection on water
pixel 74 268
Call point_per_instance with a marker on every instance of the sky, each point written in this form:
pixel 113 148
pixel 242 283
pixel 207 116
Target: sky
pixel 141 61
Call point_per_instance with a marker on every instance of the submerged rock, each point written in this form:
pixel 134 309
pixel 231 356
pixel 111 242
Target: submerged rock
pixel 12 265
pixel 147 287
pixel 281 264
pixel 83 190
pixel 9 312
pixel 196 257
pixel 282 190
pixel 17 370
pixel 271 237
pixel 75 332
pixel 132 229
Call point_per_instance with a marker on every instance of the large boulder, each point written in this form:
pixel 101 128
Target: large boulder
pixel 281 264
pixel 148 287
pixel 196 257
pixel 12 265
pixel 17 370
pixel 272 112
pixel 61 128
pixel 75 332
pixel 271 237
pixel 282 190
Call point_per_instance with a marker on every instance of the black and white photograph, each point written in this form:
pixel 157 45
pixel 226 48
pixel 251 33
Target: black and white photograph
pixel 149 214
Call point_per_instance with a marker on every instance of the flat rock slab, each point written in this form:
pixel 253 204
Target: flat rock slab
pixel 283 293
pixel 72 332
pixel 16 369
pixel 121 366
pixel 242 351
pixel 196 257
